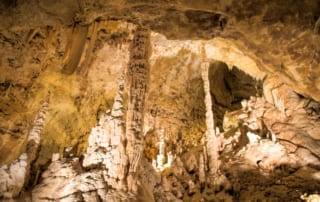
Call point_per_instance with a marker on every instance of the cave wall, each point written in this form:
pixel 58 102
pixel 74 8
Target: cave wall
pixel 76 51
pixel 34 64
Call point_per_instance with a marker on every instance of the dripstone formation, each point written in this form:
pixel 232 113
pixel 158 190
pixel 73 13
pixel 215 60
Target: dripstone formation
pixel 159 100
pixel 138 78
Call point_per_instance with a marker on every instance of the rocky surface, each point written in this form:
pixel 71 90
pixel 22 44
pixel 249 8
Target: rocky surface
pixel 17 174
pixel 44 55
pixel 159 100
pixel 254 163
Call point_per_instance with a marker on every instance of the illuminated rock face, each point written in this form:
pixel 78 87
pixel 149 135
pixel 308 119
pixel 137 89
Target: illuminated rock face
pixel 16 175
pixel 116 84
pixel 111 167
pixel 105 161
pixel 13 176
pixel 106 144
pixel 294 111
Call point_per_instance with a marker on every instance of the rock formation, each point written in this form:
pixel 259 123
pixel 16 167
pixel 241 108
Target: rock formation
pixel 103 168
pixel 16 175
pixel 211 133
pixel 138 79
pixel 159 100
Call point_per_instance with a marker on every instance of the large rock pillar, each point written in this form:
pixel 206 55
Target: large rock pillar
pixel 212 141
pixel 137 80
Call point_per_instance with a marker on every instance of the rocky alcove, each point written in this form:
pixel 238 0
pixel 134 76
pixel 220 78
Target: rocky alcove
pixel 159 100
pixel 229 87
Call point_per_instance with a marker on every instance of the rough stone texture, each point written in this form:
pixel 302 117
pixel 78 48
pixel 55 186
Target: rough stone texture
pixel 234 86
pixel 138 82
pixel 16 175
pixel 78 50
pixel 296 126
pixel 279 37
pixel 44 51
pixel 13 176
pixel 112 164
pixel 106 144
pixel 105 161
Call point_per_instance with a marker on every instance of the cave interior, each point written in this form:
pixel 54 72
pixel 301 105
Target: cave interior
pixel 208 100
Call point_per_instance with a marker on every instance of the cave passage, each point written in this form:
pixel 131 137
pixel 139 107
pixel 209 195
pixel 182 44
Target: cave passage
pixel 228 88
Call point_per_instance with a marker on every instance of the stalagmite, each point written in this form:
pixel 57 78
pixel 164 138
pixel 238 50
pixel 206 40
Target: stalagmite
pixel 202 171
pixel 107 143
pixel 164 158
pixel 34 135
pixel 14 176
pixel 211 133
pixel 162 148
pixel 105 160
pixel 161 82
pixel 137 77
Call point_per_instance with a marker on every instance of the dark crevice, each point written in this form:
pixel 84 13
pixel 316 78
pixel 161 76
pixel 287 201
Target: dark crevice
pixel 228 88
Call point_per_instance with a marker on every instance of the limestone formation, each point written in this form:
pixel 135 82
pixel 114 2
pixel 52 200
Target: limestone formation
pixel 310 198
pixel 159 100
pixel 211 135
pixel 14 176
pixel 138 78
pixel 105 158
pixel 106 144
pixel 113 155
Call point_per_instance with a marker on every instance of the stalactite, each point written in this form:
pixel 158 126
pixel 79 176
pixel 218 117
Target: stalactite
pixel 14 176
pixel 75 48
pixel 87 59
pixel 137 78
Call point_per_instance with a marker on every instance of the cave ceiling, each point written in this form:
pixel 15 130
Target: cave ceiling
pixel 280 37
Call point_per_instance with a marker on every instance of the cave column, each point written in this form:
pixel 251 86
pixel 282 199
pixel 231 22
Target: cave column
pixel 208 100
pixel 137 80
pixel 212 141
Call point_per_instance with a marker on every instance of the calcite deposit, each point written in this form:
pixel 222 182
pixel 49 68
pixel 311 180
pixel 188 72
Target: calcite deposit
pixel 16 175
pixel 159 100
